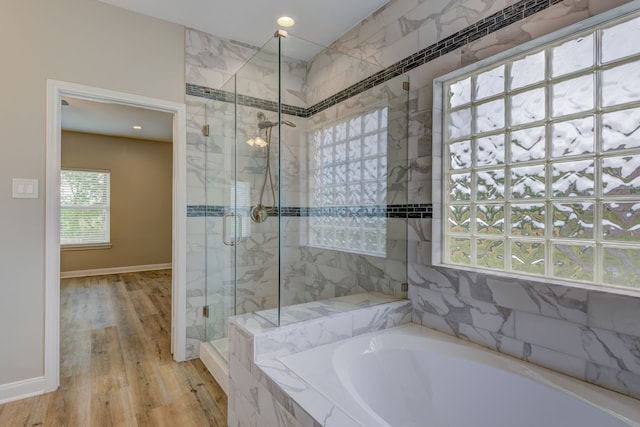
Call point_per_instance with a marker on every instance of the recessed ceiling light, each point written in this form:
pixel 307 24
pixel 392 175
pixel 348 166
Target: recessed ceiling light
pixel 137 127
pixel 285 21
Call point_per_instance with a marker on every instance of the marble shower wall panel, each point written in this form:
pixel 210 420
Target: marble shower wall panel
pixel 403 27
pixel 294 80
pixel 219 148
pixel 330 273
pixel 293 180
pixel 331 71
pixel 211 61
pixel 258 78
pixel 293 272
pixel 587 334
pixel 196 151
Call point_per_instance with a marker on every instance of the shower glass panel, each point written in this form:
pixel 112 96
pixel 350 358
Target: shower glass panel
pixel 306 186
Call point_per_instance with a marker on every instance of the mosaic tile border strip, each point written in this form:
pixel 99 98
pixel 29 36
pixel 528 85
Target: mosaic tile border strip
pixel 248 101
pixel 391 211
pixel 505 17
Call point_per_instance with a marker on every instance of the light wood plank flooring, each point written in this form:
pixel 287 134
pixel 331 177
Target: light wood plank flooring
pixel 116 366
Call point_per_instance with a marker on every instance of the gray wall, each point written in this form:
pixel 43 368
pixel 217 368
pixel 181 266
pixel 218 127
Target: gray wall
pixel 78 41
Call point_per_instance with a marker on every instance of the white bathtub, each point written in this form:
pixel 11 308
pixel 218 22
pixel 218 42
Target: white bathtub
pixel 414 376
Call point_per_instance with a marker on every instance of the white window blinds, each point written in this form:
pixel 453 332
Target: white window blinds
pixel 84 207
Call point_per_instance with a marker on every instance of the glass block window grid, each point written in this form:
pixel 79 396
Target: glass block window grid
pixel 84 207
pixel 542 161
pixel 348 168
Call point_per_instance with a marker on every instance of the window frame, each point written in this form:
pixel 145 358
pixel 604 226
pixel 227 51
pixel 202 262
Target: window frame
pixel 90 245
pixel 440 156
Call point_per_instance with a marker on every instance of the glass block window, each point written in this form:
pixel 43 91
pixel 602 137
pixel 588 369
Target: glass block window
pixel 84 207
pixel 348 184
pixel 542 161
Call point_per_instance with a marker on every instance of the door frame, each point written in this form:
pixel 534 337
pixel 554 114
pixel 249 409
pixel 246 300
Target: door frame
pixel 55 91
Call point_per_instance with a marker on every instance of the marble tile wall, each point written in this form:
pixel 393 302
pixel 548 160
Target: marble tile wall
pixel 591 335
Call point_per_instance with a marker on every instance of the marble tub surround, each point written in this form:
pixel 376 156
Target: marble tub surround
pixel 264 392
pixel 590 335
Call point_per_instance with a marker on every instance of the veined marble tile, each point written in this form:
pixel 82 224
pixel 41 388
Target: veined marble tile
pixel 433 321
pixel 620 313
pixel 420 180
pixel 377 318
pixel 243 381
pixel 614 379
pixel 435 279
pixel 289 340
pixel 555 360
pixel 243 408
pixel 548 300
pixel 603 347
pixel 271 413
pixel 210 61
pixel 465 311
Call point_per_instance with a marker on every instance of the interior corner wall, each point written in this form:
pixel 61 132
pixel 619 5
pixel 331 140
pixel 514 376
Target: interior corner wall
pixel 78 41
pixel 140 211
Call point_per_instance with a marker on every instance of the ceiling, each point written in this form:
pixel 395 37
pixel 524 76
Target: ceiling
pixel 248 21
pixel 105 118
pixel 254 21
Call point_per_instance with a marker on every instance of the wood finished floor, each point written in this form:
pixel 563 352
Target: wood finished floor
pixel 116 366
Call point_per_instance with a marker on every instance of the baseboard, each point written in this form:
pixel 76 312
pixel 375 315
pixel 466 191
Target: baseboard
pixel 114 270
pixel 21 389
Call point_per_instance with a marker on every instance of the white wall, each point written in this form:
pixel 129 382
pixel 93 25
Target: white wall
pixel 79 41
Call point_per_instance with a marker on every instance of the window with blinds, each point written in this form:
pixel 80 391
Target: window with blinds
pixel 84 207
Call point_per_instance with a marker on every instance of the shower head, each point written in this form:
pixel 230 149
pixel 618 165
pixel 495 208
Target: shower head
pixel 263 123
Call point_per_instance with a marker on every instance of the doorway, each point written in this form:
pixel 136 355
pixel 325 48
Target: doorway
pixel 56 90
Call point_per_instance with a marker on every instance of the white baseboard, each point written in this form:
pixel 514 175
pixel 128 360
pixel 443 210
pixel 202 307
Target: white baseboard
pixel 114 270
pixel 216 365
pixel 21 389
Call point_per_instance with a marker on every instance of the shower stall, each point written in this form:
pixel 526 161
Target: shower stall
pixel 306 186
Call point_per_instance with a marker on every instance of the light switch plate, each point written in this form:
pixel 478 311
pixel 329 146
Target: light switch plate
pixel 25 188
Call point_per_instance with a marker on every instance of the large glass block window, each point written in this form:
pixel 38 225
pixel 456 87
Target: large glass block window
pixel 542 161
pixel 84 207
pixel 348 184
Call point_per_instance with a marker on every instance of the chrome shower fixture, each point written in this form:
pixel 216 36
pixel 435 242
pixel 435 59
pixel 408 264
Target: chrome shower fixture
pixel 263 123
pixel 259 212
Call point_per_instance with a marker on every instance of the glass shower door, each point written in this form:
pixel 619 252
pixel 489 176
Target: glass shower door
pixel 220 235
pixel 242 175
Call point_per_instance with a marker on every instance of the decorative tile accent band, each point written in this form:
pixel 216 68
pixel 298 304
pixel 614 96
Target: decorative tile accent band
pixel 248 101
pixel 194 211
pixel 390 211
pixel 505 17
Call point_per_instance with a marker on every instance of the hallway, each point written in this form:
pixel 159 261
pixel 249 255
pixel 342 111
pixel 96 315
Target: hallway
pixel 116 364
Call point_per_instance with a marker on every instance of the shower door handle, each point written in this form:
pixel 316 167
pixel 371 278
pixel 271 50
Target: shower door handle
pixel 236 239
